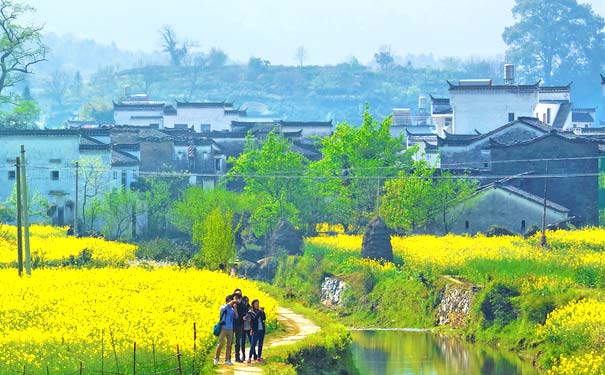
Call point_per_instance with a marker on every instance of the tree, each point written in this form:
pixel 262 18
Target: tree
pixel 300 56
pixel 384 58
pixel 77 85
pixel 356 162
pixel 23 116
pixel 57 86
pixel 159 195
pixel 216 58
pixel 274 174
pixel 97 110
pixel 119 208
pixel 554 38
pixel 449 191
pixel 216 236
pixel 172 46
pixel 197 64
pixel 92 184
pixel 21 46
pixel 406 204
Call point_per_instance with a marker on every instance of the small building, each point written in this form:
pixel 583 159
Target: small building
pixel 504 206
pixel 583 118
pixel 473 151
pixel 568 164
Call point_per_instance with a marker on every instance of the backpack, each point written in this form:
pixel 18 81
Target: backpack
pixel 218 327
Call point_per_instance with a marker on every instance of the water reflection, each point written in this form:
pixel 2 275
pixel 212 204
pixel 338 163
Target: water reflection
pixel 423 353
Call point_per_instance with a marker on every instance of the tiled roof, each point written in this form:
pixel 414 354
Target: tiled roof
pixel 138 106
pixel 203 104
pixel 465 139
pixel 508 88
pixel 581 117
pixel 570 137
pixel 40 132
pixel 533 198
pixel 120 158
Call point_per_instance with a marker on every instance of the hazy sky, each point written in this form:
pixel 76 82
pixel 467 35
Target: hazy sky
pixel 330 30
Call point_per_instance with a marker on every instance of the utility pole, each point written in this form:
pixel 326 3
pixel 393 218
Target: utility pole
pixel 19 234
pixel 28 261
pixel 76 204
pixel 543 238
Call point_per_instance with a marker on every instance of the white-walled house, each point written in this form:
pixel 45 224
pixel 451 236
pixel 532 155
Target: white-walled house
pixel 51 157
pixel 201 116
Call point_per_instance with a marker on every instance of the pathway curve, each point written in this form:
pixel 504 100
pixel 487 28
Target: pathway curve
pixel 297 326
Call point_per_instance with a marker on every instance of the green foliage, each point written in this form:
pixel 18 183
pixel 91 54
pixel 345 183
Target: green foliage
pixel 197 203
pixel 273 173
pixel 552 39
pixel 159 195
pixel 23 116
pixel 161 249
pixel 216 236
pixel 98 110
pixel 119 208
pixel 497 306
pixel 355 163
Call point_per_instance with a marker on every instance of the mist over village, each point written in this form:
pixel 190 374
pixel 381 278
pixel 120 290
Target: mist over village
pixel 322 188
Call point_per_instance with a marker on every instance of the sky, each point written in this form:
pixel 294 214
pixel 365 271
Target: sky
pixel 330 30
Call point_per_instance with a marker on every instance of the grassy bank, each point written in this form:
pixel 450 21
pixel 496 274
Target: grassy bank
pixel 544 302
pixel 325 352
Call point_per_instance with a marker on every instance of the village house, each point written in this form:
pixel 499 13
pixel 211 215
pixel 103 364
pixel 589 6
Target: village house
pixel 51 157
pixel 505 206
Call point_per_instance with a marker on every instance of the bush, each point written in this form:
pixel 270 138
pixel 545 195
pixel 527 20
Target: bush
pixel 497 307
pixel 165 250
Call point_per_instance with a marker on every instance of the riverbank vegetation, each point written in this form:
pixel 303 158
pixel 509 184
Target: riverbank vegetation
pixel 541 301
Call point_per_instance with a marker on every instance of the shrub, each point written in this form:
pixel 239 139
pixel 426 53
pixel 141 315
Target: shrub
pixel 497 307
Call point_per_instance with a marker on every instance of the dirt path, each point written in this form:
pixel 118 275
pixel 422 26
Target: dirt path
pixel 297 326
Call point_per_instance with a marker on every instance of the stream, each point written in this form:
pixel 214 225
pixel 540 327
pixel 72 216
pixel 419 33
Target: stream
pixel 385 352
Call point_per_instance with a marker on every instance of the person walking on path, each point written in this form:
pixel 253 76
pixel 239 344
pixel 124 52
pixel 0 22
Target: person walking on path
pixel 241 335
pixel 228 315
pixel 257 324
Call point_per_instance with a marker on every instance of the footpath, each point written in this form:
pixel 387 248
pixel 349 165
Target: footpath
pixel 297 326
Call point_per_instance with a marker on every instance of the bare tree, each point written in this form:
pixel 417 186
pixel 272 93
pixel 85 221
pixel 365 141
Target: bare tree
pixel 384 58
pixel 58 84
pixel 300 55
pixel 21 46
pixel 170 44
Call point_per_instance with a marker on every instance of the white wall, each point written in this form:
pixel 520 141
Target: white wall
pixel 487 110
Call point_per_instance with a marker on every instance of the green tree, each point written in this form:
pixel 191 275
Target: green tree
pixel 21 45
pixel 22 116
pixel 406 204
pixel 356 162
pixel 274 174
pixel 160 195
pixel 448 192
pixel 555 38
pixel 97 110
pixel 384 58
pixel 119 209
pixel 216 236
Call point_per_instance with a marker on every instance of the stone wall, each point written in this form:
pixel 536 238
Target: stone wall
pixel 456 304
pixel 331 291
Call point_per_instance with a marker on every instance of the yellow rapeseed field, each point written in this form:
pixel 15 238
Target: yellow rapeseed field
pixel 50 244
pixel 59 317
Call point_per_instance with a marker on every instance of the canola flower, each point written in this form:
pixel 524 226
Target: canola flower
pixel 586 364
pixel 449 253
pixel 50 244
pixel 59 317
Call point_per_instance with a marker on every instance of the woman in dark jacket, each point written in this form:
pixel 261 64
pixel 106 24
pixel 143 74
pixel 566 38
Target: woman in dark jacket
pixel 257 324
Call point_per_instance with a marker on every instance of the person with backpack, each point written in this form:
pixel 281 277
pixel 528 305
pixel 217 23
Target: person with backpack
pixel 257 327
pixel 228 314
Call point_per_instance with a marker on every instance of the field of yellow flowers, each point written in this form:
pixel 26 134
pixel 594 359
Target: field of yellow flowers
pixel 50 245
pixel 569 269
pixel 59 317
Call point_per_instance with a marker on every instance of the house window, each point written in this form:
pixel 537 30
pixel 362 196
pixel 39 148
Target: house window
pixel 124 179
pixel 485 165
pixel 522 224
pixel 217 163
pixel 115 175
pixel 11 175
pixel 548 115
pixel 54 175
pixel 511 116
pixel 467 225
